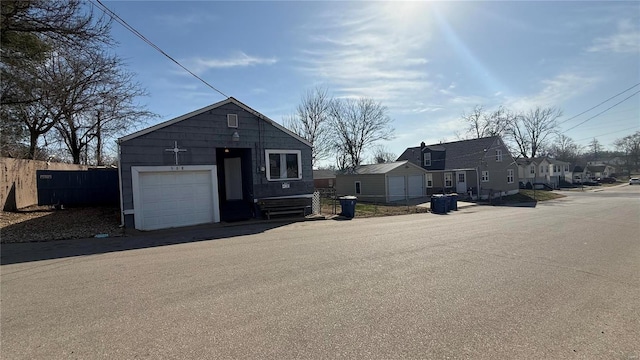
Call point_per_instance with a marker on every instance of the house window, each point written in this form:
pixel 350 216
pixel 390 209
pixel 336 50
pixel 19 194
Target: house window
pixel 498 155
pixel 485 176
pixel 448 180
pixel 284 165
pixel 533 169
pixel 232 120
pixel 509 176
pixel 541 169
pixel 427 159
pixel 461 178
pixel 566 168
pixel 358 187
pixel 429 178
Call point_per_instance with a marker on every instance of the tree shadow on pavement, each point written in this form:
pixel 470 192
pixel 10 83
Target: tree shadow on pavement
pixel 15 253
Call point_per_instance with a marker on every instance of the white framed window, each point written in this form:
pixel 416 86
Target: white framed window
pixel 485 176
pixel 498 155
pixel 232 120
pixel 532 169
pixel 448 179
pixel 427 159
pixel 429 178
pixel 510 176
pixel 566 168
pixel 541 169
pixel 283 165
pixel 462 178
pixel 358 187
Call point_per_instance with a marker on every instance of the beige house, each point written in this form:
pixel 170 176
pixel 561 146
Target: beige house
pixel 383 183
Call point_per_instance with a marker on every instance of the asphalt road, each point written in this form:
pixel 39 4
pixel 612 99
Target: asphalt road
pixel 557 281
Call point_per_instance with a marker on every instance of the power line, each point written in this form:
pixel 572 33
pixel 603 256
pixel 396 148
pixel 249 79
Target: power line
pixel 613 132
pixel 117 18
pixel 586 111
pixel 602 112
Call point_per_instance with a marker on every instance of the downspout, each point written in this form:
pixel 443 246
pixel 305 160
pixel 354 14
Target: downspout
pixel 120 185
pixel 477 183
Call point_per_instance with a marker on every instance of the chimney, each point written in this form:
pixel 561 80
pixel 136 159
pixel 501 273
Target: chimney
pixel 422 145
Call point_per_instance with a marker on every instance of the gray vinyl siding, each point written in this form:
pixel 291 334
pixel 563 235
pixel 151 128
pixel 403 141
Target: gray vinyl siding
pixel 201 134
pixel 498 171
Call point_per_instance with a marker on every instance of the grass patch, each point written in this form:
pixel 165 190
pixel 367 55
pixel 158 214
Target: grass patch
pixel 364 209
pixel 525 196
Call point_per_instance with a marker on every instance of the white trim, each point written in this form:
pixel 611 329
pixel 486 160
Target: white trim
pixel 444 179
pixel 428 178
pixel 211 107
pixel 482 179
pixel 425 158
pixel 512 176
pixel 135 187
pixel 231 122
pixel 283 170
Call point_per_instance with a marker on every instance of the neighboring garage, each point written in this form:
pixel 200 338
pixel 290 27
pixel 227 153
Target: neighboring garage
pixel 389 182
pixel 170 196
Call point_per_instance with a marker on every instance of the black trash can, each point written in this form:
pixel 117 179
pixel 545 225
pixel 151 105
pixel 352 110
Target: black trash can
pixel 453 201
pixel 348 205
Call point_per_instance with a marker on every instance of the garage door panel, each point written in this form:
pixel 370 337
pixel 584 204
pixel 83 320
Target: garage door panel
pixel 172 199
pixel 396 188
pixel 416 186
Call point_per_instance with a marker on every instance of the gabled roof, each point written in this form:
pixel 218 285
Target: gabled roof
pixel 464 154
pixel 379 168
pixel 597 168
pixel 324 174
pixel 229 100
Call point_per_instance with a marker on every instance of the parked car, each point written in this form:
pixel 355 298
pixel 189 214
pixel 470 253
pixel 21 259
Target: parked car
pixel 634 181
pixel 607 180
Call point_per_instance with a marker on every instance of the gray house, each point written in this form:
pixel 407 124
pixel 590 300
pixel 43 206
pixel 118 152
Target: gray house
pixel 216 163
pixel 383 183
pixel 481 167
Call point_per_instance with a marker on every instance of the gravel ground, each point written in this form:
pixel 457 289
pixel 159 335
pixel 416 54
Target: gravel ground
pixel 41 223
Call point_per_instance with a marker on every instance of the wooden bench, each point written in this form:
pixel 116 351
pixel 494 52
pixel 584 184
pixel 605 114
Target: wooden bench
pixel 284 206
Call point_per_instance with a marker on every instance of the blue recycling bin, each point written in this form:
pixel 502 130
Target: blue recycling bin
pixel 453 201
pixel 348 205
pixel 439 204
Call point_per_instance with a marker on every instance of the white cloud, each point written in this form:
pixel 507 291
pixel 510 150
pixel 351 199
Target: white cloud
pixel 555 91
pixel 626 40
pixel 239 59
pixel 370 51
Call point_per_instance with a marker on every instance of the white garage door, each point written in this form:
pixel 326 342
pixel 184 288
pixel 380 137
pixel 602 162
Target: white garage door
pixel 416 186
pixel 175 198
pixel 396 188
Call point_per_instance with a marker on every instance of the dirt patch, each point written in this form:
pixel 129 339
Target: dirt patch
pixel 40 223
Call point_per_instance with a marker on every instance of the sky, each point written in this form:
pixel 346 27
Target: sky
pixel 427 62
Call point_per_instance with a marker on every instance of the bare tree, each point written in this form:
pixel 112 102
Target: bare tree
pixel 381 155
pixel 356 125
pixel 564 148
pixel 531 131
pixel 94 99
pixel 630 146
pixel 30 29
pixel 311 122
pixel 481 123
pixel 596 148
